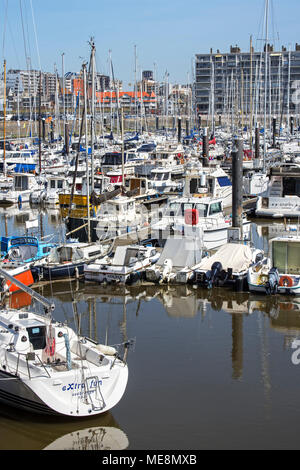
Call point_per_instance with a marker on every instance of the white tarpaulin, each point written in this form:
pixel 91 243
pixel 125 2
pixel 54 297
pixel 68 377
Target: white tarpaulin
pixel 184 252
pixel 231 255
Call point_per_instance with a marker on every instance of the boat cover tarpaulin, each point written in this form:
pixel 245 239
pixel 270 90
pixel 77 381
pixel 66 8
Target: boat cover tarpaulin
pixel 231 255
pixel 183 252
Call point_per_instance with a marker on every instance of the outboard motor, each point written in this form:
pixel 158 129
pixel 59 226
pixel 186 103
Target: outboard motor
pixel 273 281
pixel 213 274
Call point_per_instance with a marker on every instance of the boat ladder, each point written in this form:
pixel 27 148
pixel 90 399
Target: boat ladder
pixel 93 393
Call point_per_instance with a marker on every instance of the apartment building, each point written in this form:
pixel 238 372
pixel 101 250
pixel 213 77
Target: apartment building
pixel 239 81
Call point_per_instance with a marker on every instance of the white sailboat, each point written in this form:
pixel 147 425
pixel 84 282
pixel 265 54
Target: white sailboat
pixel 46 367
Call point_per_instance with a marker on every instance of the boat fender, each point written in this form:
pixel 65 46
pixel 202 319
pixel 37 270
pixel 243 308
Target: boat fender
pixel 20 201
pixel 286 281
pixel 107 350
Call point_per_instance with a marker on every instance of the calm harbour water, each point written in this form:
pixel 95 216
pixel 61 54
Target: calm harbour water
pixel 207 370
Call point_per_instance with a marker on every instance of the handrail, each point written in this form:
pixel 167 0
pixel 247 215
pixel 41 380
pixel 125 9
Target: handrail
pixel 27 363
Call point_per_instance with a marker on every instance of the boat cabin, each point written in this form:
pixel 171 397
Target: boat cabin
pixel 70 253
pixel 285 254
pixel 24 181
pixel 140 185
pixel 24 248
pixel 128 256
pixel 206 207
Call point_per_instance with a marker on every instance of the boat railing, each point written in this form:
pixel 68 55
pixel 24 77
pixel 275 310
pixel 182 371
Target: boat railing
pixel 29 357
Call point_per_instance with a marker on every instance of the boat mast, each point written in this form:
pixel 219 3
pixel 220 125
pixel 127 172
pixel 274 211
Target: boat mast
pixel 251 104
pixel 93 112
pixel 4 121
pixel 122 137
pixel 40 125
pixel 86 154
pixel 266 81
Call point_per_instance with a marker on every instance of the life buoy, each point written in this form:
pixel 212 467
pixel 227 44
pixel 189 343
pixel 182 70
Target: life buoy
pixel 286 281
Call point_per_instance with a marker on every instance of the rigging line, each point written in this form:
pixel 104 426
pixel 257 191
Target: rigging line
pixel 35 34
pixel 23 31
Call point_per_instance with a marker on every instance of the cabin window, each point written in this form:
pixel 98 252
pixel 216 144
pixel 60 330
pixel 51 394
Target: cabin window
pixel 37 336
pixel 224 181
pixel 52 184
pixel 194 183
pixel 65 254
pixel 21 183
pixel 286 257
pixel 60 184
pixel 94 253
pixel 215 208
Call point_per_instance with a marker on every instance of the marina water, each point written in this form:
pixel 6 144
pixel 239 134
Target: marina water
pixel 208 369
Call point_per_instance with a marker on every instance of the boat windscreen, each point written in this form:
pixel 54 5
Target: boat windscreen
pixel 286 256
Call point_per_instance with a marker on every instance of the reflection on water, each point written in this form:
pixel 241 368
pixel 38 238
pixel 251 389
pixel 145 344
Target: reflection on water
pixel 210 368
pixel 21 431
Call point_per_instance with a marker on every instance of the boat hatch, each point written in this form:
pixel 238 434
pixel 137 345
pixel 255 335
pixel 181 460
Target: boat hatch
pixel 286 256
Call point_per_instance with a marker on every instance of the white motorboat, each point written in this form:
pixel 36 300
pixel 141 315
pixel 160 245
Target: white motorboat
pixel 119 216
pixel 176 264
pixel 283 196
pixel 49 193
pixel 207 182
pixel 280 272
pixel 23 185
pixel 210 217
pixel 161 180
pixel 127 266
pixel 46 367
pixel 228 267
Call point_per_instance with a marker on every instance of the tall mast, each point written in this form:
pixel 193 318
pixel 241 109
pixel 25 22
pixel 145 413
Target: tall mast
pixel 251 104
pixel 135 89
pixel 288 91
pixel 93 113
pixel 40 125
pixel 266 80
pixel 4 122
pixel 63 93
pixel 86 155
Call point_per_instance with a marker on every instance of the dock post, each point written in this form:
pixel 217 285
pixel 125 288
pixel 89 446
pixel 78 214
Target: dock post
pixel 274 132
pixel 67 138
pixel 157 123
pixel 179 129
pixel 187 127
pixel 256 140
pixel 237 185
pixel 205 148
pixel 292 124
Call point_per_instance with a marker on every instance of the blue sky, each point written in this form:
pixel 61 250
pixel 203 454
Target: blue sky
pixel 166 33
